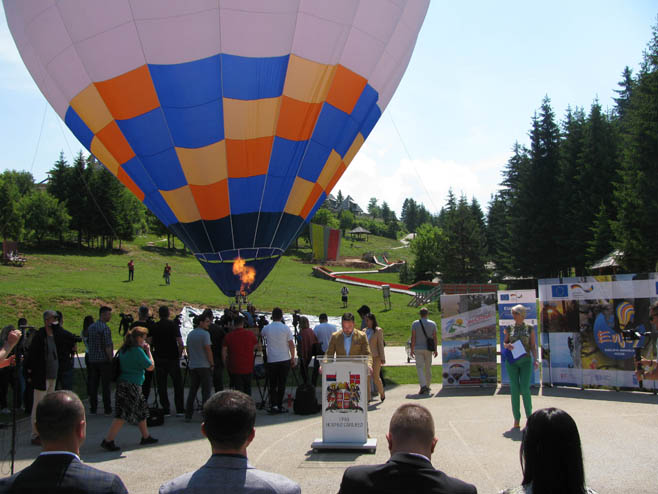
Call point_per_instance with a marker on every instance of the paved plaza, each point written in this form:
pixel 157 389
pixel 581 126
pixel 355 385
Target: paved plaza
pixel 619 431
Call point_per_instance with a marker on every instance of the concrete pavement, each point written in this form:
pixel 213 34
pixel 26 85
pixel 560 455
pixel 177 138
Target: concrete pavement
pixel 618 431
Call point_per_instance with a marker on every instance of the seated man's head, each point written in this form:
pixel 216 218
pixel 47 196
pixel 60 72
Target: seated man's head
pixel 228 421
pixel 60 421
pixel 411 430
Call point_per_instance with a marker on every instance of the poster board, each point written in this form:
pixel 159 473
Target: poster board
pixel 585 319
pixel 468 343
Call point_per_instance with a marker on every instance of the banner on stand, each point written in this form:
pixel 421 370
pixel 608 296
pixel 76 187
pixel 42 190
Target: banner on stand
pixel 468 339
pixel 506 300
pixel 584 319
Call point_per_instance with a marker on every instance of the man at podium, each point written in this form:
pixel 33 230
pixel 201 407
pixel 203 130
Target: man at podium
pixel 349 341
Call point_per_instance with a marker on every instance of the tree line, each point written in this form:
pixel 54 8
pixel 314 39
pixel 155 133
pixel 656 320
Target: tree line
pixel 585 186
pixel 81 200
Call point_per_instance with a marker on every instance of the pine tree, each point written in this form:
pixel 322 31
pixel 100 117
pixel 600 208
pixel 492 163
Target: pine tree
pixel 623 101
pixel 601 242
pixel 636 225
pixel 572 229
pixel 373 208
pixel 534 247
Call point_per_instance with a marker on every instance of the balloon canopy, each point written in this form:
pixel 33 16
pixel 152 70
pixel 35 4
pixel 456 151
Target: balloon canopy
pixel 231 120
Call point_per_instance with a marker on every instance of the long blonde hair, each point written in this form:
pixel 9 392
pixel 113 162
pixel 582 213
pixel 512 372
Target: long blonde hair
pixel 130 339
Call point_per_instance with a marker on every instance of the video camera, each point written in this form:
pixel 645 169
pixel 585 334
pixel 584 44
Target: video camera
pixel 295 318
pixel 124 324
pixel 261 322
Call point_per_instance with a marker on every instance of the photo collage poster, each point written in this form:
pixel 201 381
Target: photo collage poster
pixel 506 300
pixel 595 327
pixel 468 339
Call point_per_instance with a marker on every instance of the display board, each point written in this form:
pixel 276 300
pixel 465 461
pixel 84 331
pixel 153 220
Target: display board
pixel 585 320
pixel 468 339
pixel 506 300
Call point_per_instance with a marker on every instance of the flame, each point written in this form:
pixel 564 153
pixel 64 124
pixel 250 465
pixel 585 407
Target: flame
pixel 246 273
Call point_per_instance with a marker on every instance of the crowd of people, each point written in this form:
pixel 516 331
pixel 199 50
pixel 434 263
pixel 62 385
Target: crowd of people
pixel 40 361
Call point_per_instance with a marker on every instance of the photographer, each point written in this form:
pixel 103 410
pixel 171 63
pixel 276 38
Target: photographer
pixel 145 321
pixel 101 351
pixel 13 336
pixel 217 334
pixel 27 333
pixel 41 363
pixel 66 349
pixel 653 364
pixel 7 370
pixel 167 350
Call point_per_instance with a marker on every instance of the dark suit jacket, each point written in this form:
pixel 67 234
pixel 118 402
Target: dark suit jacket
pixel 61 473
pixel 403 473
pixel 35 359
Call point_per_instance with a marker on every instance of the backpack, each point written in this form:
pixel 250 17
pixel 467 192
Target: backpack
pixel 306 402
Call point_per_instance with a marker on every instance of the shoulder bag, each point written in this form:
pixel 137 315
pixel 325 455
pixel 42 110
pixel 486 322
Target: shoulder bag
pixel 431 344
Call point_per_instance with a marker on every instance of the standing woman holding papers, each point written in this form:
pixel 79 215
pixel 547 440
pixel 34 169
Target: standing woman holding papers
pixel 521 359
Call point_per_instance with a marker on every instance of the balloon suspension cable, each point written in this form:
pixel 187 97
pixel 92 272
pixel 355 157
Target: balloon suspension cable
pixel 411 162
pixel 36 148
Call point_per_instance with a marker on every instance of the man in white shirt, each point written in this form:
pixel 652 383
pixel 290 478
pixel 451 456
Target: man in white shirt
pixel 280 351
pixel 323 331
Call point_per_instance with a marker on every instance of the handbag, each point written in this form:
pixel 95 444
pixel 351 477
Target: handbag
pixel 431 344
pixel 116 367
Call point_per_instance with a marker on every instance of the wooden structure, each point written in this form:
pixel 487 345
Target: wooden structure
pixel 358 232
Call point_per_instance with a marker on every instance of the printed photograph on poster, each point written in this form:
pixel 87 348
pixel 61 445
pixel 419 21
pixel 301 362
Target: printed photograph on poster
pixel 559 316
pixel 564 369
pixel 545 358
pixel 468 316
pixel 468 327
pixel 471 350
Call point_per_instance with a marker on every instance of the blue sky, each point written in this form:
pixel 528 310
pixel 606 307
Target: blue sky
pixel 479 71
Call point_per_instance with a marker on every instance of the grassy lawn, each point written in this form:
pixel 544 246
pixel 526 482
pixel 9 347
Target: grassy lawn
pixel 78 281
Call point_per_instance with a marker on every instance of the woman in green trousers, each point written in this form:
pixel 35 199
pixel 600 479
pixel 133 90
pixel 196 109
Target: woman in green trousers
pixel 520 370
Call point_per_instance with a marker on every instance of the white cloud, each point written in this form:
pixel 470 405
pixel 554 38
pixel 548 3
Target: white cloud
pixel 426 181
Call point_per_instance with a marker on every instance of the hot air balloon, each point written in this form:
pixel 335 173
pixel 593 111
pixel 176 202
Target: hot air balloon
pixel 231 120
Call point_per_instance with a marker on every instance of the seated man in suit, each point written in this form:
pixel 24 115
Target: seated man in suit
pixel 228 423
pixel 62 428
pixel 411 442
pixel 349 341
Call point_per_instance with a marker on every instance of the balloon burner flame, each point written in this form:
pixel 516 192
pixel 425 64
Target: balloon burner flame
pixel 246 273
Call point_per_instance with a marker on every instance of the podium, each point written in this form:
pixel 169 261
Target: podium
pixel 345 405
